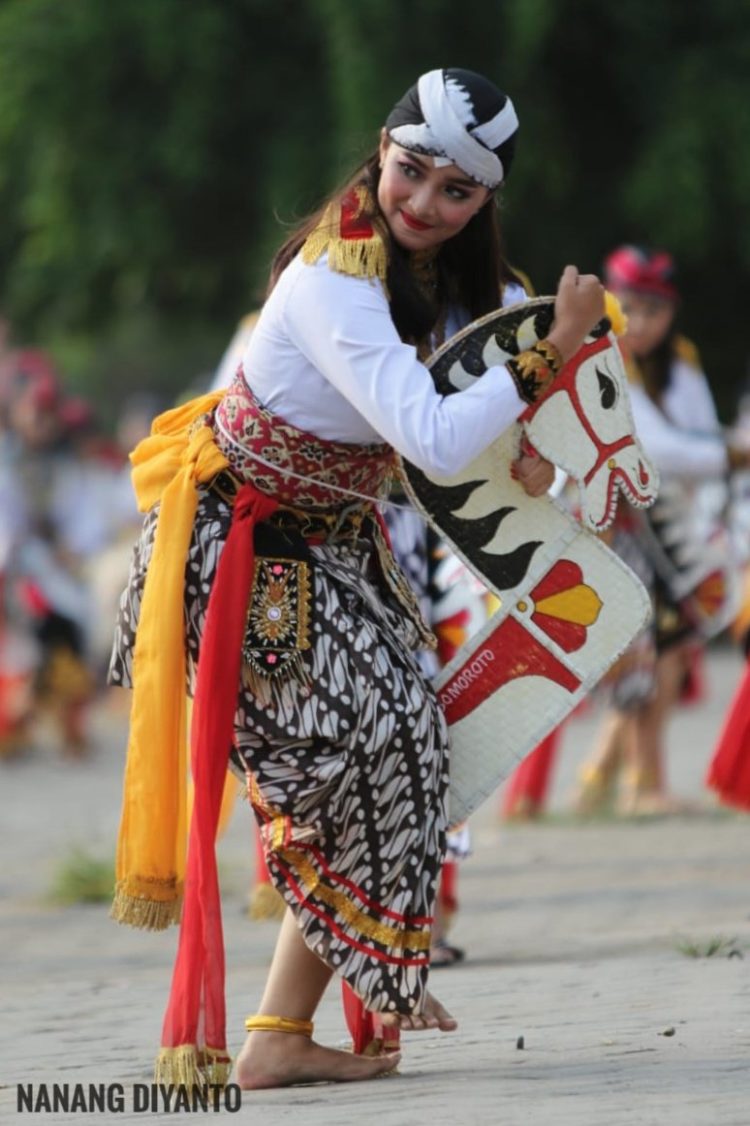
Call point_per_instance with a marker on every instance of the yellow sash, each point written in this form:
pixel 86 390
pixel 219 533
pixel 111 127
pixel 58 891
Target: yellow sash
pixel 168 466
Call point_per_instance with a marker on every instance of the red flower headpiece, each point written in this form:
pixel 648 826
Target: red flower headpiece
pixel 630 267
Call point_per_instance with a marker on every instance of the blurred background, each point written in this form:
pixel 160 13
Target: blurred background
pixel 151 152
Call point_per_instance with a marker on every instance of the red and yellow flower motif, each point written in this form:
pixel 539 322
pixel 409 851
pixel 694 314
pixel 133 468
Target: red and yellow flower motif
pixel 565 606
pixel 451 633
pixel 711 594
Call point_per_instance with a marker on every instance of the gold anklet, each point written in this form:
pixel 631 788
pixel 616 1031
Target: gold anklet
pixel 263 1023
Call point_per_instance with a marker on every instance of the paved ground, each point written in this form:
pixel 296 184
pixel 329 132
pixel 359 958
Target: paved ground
pixel 573 932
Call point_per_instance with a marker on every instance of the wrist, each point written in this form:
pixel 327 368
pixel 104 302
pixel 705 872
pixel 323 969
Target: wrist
pixel 567 343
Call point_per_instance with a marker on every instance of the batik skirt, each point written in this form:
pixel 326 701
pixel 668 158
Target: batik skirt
pixel 347 765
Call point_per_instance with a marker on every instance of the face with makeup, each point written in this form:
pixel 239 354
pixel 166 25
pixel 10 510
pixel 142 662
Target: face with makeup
pixel 424 205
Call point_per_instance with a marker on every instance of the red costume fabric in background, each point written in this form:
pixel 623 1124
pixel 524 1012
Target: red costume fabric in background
pixel 729 770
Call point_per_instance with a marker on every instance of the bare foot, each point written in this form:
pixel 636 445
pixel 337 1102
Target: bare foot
pixel 654 803
pixel 280 1059
pixel 443 954
pixel 433 1015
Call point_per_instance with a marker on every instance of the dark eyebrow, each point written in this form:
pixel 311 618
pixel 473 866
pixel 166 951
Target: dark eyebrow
pixel 462 181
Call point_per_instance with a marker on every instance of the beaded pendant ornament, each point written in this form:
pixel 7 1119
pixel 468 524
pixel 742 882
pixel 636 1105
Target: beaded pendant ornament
pixel 278 620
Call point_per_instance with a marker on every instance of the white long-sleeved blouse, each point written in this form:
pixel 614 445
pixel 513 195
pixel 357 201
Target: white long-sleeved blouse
pixel 683 437
pixel 325 356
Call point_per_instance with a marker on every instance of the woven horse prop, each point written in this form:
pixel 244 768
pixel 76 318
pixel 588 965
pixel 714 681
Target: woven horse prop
pixel 568 605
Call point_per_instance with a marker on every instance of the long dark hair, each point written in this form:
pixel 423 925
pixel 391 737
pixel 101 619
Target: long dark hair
pixel 656 368
pixel 472 269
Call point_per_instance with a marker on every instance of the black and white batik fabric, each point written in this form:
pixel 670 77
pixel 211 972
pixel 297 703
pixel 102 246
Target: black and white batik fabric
pixel 347 768
pixel 410 542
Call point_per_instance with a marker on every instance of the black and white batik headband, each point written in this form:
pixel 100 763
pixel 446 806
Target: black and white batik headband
pixel 450 132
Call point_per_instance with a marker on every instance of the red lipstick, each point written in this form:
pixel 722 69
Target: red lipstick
pixel 415 224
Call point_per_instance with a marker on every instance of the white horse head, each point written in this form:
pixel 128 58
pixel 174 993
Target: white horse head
pixel 568 605
pixel 585 424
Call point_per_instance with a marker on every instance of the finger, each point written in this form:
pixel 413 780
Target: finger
pixel 418 1023
pixel 539 476
pixel 529 464
pixel 570 275
pixel 519 469
pixel 535 488
pixel 536 482
pixel 429 1021
pixel 589 279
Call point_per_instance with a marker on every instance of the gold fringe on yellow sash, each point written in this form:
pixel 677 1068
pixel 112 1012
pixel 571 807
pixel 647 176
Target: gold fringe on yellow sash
pixel 169 466
pixel 266 902
pixel 190 1067
pixel 155 909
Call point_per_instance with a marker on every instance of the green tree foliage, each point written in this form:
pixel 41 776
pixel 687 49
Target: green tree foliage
pixel 152 150
pixel 147 135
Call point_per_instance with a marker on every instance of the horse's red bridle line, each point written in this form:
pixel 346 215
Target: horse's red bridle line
pixel 604 450
pixel 605 453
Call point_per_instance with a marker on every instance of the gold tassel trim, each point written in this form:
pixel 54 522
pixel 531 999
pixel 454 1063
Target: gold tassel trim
pixel 151 914
pixel 189 1066
pixel 359 256
pixel 274 690
pixel 266 902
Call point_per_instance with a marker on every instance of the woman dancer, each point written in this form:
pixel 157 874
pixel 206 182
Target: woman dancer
pixel 269 491
pixel 676 420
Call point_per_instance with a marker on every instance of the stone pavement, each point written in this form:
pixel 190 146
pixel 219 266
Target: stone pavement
pixel 573 933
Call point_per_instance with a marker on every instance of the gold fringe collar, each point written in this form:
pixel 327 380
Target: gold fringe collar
pixel 350 238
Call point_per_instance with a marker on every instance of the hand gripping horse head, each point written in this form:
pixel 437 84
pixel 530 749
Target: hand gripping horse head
pixel 585 425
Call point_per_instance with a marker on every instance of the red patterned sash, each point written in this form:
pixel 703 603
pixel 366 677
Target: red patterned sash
pixel 246 431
